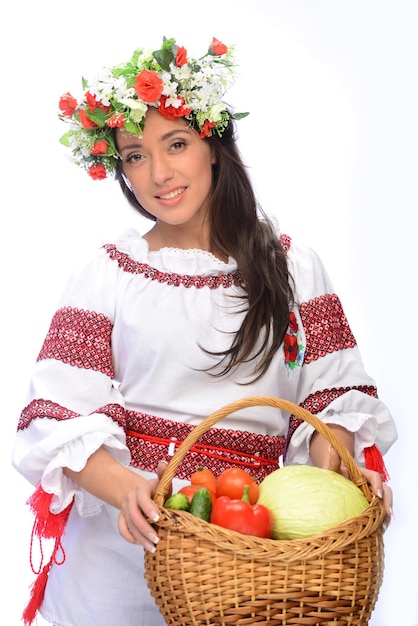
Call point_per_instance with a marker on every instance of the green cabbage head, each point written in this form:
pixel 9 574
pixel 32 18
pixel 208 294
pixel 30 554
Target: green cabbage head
pixel 307 500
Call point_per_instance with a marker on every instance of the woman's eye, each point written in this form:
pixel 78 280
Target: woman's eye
pixel 177 145
pixel 134 158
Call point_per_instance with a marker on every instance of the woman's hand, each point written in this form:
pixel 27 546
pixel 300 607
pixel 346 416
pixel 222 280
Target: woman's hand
pixel 381 490
pixel 136 509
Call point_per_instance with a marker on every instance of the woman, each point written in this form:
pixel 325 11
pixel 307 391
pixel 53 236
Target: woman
pixel 210 305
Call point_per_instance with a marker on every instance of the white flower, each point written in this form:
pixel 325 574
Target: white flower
pixel 181 73
pixel 173 101
pixel 215 111
pixel 138 108
pixel 169 86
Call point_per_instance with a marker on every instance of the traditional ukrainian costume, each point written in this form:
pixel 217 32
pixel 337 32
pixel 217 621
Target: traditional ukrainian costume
pixel 125 365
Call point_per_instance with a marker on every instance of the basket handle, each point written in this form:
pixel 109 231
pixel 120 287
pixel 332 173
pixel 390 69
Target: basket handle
pixel 353 470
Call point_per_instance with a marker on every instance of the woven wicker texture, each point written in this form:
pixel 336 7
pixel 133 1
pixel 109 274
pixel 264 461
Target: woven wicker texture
pixel 204 574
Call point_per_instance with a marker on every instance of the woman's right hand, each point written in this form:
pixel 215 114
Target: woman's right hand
pixel 137 508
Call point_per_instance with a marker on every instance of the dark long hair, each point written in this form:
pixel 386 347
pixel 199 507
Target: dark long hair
pixel 240 229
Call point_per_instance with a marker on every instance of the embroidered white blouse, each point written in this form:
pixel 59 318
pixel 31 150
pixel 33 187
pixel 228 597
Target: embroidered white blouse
pixel 124 366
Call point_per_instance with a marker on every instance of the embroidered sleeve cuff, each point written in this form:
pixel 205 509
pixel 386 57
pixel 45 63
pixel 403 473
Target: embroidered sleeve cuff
pixel 74 454
pixel 359 413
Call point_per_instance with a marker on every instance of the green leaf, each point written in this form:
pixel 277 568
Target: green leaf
pixel 239 116
pixel 168 43
pixel 136 56
pixel 133 128
pixel 164 58
pixel 84 83
pixel 98 117
pixel 124 70
pixel 65 139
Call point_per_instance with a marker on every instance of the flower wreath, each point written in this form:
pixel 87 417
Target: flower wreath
pixel 167 79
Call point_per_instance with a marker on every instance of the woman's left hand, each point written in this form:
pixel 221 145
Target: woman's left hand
pixel 381 490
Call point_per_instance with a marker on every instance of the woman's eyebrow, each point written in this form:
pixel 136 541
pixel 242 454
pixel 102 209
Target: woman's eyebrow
pixel 171 133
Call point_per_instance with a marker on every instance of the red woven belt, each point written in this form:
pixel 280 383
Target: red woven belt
pixel 153 439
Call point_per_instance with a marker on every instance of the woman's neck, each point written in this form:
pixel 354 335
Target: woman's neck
pixel 164 236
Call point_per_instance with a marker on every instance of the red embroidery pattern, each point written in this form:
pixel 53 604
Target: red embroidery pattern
pixel 51 410
pixel 149 438
pixel 116 413
pixel 127 264
pixel 318 401
pixel 44 409
pixel 80 338
pixel 285 241
pixel 326 327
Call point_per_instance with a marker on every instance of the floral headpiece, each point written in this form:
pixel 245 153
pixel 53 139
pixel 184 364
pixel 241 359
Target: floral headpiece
pixel 165 79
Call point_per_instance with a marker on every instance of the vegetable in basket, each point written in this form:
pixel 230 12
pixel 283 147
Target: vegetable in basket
pixel 201 504
pixel 242 516
pixel 307 500
pixel 190 490
pixel 178 502
pixel 198 504
pixel 204 478
pixel 231 483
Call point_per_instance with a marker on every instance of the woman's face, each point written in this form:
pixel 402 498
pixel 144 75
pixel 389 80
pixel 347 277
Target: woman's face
pixel 169 169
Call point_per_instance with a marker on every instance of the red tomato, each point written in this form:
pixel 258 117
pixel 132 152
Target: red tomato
pixel 190 490
pixel 231 483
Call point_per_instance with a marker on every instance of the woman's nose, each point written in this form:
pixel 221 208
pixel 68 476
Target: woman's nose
pixel 161 169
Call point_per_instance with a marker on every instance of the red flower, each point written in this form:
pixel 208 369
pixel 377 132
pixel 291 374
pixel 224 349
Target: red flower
pixel 290 348
pixel 217 47
pixel 293 325
pixel 206 129
pixel 170 112
pixel 181 56
pixel 116 120
pixel 94 104
pixel 86 121
pixel 97 172
pixel 99 147
pixel 148 85
pixel 67 105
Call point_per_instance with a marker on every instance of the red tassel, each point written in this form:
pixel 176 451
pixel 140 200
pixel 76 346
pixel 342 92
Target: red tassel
pixel 374 461
pixel 36 596
pixel 47 525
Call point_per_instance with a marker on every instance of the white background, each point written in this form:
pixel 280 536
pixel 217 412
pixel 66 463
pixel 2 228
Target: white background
pixel 331 145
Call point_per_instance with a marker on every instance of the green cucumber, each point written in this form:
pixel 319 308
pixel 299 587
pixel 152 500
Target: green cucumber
pixel 201 504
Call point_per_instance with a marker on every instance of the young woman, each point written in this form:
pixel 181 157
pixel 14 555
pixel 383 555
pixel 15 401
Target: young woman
pixel 212 304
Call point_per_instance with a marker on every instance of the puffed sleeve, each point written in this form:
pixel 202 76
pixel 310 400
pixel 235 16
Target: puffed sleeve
pixel 73 405
pixel 333 383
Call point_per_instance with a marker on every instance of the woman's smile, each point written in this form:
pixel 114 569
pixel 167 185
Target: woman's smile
pixel 170 195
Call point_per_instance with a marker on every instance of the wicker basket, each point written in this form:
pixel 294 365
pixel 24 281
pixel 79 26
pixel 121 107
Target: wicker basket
pixel 204 574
